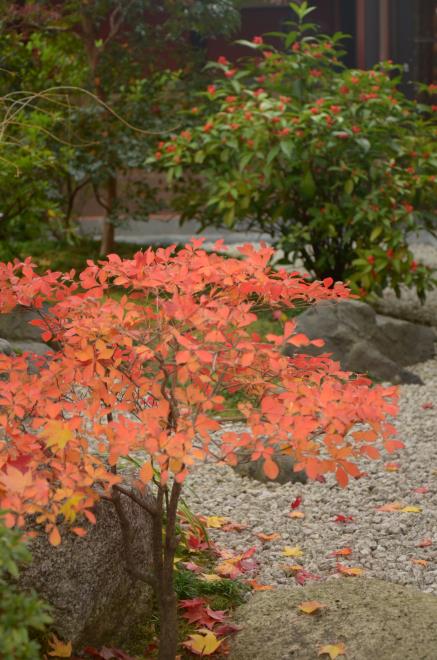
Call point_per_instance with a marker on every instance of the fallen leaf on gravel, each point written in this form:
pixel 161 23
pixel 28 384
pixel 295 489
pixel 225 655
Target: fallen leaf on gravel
pixel 424 543
pixel 268 537
pixel 343 552
pixel 311 606
pixel 60 649
pixel 343 519
pixel 292 568
pixel 411 509
pixel 333 650
pixel 302 576
pixel 256 586
pixel 234 527
pixel 206 644
pixel 428 405
pixel 420 562
pixel 346 570
pixel 421 490
pixel 292 552
pixel 296 514
pixel 215 522
pixel 392 506
pixel 392 467
pixel 297 502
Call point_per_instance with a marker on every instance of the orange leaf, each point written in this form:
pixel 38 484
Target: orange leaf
pixel 146 472
pixel 299 340
pixel 268 537
pixel 341 477
pixel 54 536
pixel 270 468
pixel 333 650
pixel 296 514
pixel 256 586
pixel 420 562
pixel 311 606
pixel 393 506
pixel 343 552
pixel 392 467
pixel 351 572
pixel 392 445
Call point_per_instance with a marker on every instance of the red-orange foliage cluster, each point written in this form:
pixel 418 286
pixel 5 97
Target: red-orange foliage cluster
pixel 145 374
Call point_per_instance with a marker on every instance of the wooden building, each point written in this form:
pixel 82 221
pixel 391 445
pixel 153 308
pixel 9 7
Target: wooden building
pixel 402 30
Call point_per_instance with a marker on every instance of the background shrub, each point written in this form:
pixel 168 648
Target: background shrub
pixel 337 165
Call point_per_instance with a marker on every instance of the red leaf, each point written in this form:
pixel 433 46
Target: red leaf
pixel 421 490
pixel 303 576
pixel 424 543
pixel 297 502
pixel 343 519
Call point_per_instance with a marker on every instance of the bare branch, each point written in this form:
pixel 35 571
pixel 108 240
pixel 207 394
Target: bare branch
pixel 142 502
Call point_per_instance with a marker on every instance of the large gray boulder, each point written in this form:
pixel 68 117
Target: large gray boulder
pixel 375 620
pixel 15 326
pixel 87 582
pixel 409 306
pixel 366 342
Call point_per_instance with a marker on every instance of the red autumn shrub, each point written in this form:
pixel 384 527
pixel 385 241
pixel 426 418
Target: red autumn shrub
pixel 145 375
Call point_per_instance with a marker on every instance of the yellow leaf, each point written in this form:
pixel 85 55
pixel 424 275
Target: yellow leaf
pixel 311 606
pixel 333 650
pixel 210 577
pixel 296 514
pixel 60 649
pixel 215 521
pixel 411 509
pixel 292 552
pixel 57 434
pixel 205 644
pixel 292 567
pixel 69 508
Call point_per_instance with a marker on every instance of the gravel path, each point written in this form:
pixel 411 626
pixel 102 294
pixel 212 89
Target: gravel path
pixel 383 543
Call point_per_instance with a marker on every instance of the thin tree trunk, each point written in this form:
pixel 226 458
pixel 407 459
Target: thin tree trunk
pixel 168 615
pixel 108 233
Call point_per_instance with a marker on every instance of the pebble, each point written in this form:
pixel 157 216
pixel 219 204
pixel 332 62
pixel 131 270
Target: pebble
pixel 383 544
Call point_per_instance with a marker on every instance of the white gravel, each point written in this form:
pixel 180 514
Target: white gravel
pixel 383 544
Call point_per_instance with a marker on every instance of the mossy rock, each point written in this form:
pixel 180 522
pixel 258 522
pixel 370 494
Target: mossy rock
pixel 255 470
pixel 374 619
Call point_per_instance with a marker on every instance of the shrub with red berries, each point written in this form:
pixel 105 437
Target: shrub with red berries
pixel 337 165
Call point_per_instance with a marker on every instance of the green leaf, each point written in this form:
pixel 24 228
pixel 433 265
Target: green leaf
pixel 286 147
pixel 377 231
pixel 307 185
pixel 348 186
pixel 273 153
pixel 364 144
